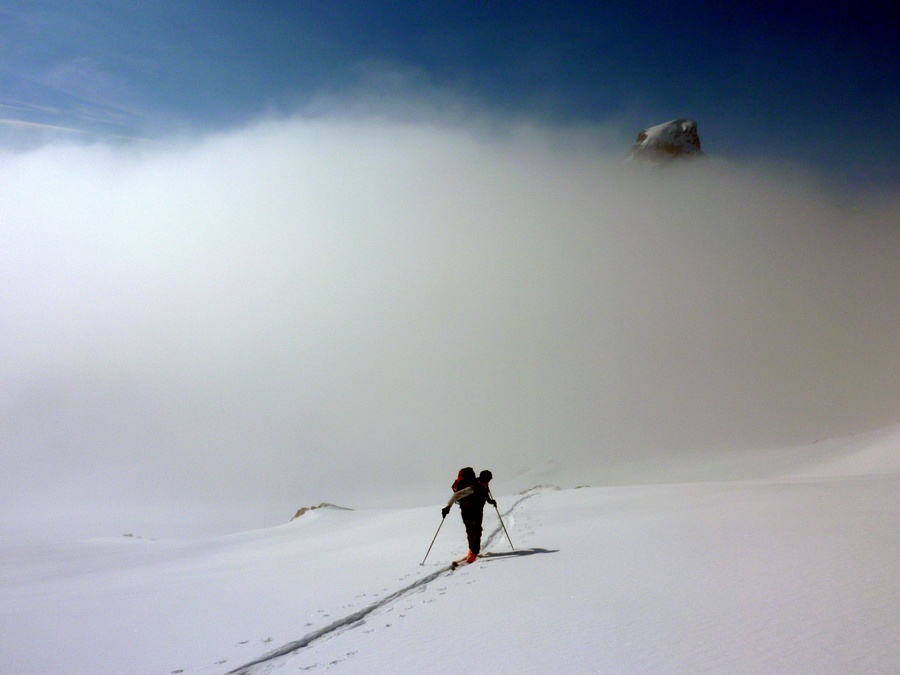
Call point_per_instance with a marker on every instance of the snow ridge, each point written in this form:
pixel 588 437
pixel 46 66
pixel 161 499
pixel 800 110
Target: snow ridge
pixel 356 618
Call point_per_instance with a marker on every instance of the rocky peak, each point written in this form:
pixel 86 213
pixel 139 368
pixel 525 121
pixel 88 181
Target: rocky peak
pixel 665 142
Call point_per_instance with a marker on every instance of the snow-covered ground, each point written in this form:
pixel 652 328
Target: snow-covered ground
pixel 780 561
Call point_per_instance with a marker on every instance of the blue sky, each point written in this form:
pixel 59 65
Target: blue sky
pixel 803 82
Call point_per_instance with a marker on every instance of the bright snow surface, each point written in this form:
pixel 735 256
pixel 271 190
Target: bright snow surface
pixel 783 561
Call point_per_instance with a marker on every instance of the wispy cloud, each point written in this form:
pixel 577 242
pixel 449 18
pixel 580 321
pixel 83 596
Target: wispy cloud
pixel 78 94
pixel 36 133
pixel 28 107
pixel 37 125
pixel 96 94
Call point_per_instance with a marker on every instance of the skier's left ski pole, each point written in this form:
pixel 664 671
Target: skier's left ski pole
pixel 501 521
pixel 433 540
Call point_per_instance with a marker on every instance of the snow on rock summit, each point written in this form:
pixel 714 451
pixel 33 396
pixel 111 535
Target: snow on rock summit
pixel 664 142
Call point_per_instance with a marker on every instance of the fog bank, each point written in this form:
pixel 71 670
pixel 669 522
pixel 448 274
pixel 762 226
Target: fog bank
pixel 349 310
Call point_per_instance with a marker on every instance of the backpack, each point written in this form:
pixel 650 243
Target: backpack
pixel 464 479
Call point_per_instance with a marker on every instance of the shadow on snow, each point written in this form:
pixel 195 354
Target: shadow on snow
pixel 487 557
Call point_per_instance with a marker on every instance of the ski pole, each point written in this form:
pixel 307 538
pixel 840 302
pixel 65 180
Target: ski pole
pixel 432 541
pixel 501 521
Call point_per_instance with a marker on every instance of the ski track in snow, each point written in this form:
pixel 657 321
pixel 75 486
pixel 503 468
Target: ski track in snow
pixel 355 619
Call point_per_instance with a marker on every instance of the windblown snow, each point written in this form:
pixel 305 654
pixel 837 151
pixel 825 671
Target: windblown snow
pixel 781 561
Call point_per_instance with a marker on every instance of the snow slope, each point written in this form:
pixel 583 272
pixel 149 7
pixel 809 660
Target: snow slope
pixel 780 561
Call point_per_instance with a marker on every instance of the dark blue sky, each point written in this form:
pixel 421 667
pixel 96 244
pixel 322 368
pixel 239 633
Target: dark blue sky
pixel 806 82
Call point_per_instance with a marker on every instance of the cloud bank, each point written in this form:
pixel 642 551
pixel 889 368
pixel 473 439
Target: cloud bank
pixel 349 309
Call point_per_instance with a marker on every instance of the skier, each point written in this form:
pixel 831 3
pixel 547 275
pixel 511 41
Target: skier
pixel 471 493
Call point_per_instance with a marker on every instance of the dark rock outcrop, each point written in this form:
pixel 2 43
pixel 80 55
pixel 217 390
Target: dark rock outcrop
pixel 323 505
pixel 665 142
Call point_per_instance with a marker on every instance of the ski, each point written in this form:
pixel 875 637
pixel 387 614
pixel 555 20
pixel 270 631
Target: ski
pixel 459 563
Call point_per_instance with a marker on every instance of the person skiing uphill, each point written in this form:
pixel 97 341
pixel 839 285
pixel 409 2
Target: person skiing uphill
pixel 471 493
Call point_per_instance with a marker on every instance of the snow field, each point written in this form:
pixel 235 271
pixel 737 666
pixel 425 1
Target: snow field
pixel 794 573
pixel 698 578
